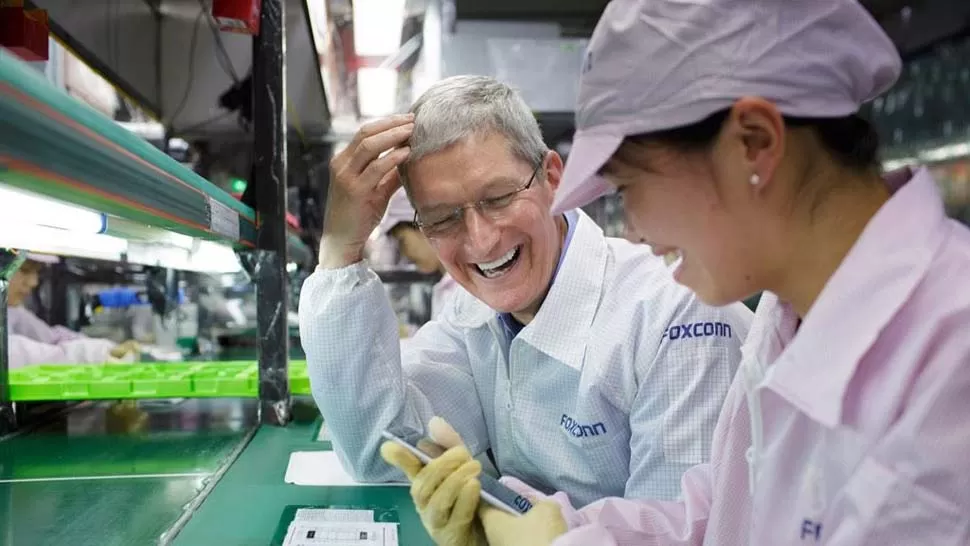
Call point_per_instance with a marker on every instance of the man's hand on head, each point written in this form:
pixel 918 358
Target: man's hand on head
pixel 363 176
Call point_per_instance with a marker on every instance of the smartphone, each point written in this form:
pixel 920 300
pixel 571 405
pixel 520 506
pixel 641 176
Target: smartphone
pixel 493 492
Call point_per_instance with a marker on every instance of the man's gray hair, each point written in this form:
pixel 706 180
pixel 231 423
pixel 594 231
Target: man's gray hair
pixel 458 107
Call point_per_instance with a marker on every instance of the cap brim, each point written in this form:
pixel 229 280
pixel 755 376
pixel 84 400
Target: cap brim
pixel 581 184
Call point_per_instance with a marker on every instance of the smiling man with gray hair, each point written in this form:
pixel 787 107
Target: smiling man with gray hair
pixel 572 360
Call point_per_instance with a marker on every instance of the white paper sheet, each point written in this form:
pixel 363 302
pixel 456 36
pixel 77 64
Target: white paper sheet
pixel 307 533
pixel 319 515
pixel 320 468
pixel 339 527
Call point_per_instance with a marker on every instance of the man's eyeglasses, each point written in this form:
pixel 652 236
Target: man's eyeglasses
pixel 445 223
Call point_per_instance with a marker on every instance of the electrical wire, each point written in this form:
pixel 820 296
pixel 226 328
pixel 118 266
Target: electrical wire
pixel 225 62
pixel 191 79
pixel 222 56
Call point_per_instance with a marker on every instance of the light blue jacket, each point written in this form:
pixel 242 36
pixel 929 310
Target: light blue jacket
pixel 612 390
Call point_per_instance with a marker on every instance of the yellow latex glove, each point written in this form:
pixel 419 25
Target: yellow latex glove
pixel 537 527
pixel 125 417
pixel 445 491
pixel 127 348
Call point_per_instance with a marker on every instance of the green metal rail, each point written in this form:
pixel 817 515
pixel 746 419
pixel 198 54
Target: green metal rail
pixel 54 145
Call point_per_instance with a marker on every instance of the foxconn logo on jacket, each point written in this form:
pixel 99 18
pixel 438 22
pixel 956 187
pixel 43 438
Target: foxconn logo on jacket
pixel 697 330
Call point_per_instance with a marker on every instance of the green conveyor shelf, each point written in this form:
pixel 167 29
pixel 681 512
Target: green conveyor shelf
pixel 52 144
pixel 156 380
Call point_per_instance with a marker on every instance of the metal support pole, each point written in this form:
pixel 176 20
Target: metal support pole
pixel 269 177
pixel 58 294
pixel 10 261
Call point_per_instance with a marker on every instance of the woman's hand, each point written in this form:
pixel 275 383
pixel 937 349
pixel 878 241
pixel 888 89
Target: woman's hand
pixel 538 527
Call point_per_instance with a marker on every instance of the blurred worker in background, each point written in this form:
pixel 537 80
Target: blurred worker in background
pixel 33 341
pixel 398 224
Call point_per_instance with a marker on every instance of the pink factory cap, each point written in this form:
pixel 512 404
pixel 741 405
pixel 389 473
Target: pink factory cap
pixel 653 65
pixel 398 210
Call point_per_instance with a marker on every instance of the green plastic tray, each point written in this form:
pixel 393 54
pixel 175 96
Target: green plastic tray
pixel 156 380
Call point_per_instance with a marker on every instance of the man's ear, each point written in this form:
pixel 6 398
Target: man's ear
pixel 553 166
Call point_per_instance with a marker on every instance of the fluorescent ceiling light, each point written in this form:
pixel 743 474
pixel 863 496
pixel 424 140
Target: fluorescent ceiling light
pixel 154 255
pixel 136 232
pixel 211 257
pixel 377 26
pixel 376 91
pixel 19 209
pixel 205 257
pixel 63 243
pixel 39 224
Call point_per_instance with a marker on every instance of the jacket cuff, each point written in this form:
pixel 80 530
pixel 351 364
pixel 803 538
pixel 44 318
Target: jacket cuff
pixel 347 277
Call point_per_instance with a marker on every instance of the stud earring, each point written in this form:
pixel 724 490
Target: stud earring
pixel 755 180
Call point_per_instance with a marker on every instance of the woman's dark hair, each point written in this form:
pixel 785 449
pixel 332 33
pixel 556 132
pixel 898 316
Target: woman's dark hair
pixel 851 140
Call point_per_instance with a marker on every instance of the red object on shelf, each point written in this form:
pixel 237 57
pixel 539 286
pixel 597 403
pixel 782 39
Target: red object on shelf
pixel 24 32
pixel 239 16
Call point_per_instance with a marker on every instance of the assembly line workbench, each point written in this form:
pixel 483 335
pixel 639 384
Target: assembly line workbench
pixel 129 473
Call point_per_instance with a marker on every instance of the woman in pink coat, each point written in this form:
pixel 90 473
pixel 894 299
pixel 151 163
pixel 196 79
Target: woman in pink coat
pixel 729 127
pixel 33 341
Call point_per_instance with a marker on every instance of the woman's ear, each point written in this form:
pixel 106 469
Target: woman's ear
pixel 761 131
